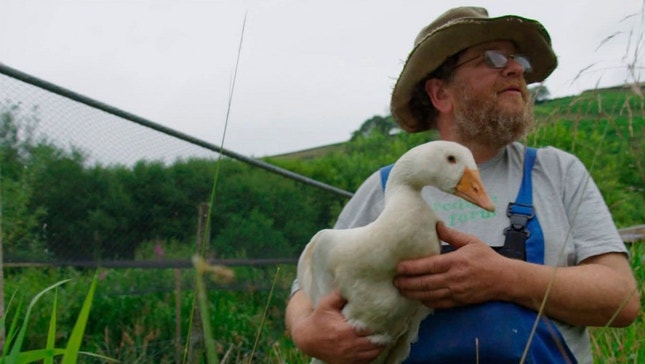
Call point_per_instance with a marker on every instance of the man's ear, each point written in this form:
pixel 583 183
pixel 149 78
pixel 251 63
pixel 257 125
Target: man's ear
pixel 435 88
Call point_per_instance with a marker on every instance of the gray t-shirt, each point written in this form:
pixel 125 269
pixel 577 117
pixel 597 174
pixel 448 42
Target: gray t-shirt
pixel 573 215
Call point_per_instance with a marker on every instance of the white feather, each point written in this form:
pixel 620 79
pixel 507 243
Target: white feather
pixel 361 262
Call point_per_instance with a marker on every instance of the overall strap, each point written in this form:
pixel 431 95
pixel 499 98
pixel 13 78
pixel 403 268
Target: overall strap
pixel 525 196
pixel 520 213
pixel 385 173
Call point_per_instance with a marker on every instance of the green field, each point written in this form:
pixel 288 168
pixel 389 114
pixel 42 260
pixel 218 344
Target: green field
pixel 144 315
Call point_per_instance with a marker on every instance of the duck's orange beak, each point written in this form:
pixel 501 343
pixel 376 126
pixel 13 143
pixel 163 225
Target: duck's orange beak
pixel 471 189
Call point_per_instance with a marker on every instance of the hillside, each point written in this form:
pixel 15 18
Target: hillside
pixel 619 101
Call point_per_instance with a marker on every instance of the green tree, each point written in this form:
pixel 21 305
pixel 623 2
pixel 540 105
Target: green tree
pixel 261 214
pixel 539 93
pixel 377 124
pixel 62 188
pixel 17 173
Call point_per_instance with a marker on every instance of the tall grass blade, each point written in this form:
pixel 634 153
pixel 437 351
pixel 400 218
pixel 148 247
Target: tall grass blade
pixel 228 112
pixel 12 328
pixel 264 314
pixel 51 334
pixel 201 268
pixel 33 356
pixel 15 349
pixel 213 193
pixel 76 337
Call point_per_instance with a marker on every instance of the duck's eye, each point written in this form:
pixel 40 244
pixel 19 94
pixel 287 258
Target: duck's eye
pixel 451 159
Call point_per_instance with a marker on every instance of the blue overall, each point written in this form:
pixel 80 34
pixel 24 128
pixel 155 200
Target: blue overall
pixel 495 332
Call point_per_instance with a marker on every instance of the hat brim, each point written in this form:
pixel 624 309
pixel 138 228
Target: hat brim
pixel 528 35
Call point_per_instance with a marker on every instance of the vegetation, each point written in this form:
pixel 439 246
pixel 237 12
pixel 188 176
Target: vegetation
pixel 56 207
pixel 13 352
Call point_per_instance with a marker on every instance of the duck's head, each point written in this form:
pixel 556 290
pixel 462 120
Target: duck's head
pixel 446 165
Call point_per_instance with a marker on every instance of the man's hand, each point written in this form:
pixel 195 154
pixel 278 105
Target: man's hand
pixel 471 274
pixel 324 333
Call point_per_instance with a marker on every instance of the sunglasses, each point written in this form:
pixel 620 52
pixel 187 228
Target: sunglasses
pixel 499 60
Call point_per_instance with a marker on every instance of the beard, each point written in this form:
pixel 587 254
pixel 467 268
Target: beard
pixel 482 119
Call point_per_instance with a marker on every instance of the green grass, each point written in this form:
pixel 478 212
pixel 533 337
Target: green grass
pixel 624 345
pixel 247 323
pixel 14 352
pixel 137 325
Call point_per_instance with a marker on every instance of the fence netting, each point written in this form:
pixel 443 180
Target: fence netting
pixel 85 187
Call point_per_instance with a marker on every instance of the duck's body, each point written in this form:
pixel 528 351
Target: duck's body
pixel 361 262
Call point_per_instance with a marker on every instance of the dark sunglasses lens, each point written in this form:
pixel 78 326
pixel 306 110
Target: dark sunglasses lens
pixel 524 62
pixel 496 59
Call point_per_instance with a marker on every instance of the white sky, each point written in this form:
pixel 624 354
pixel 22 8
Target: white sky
pixel 310 72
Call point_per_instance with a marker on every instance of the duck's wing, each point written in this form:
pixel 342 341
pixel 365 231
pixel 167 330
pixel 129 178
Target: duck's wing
pixel 304 274
pixel 313 267
pixel 321 260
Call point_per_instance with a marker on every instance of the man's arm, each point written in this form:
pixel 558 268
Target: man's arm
pixel 600 291
pixel 323 332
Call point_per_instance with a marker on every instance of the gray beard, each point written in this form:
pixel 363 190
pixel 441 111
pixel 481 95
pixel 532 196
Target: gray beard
pixel 479 120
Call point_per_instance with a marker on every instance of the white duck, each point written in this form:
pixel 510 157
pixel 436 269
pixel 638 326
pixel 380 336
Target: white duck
pixel 361 262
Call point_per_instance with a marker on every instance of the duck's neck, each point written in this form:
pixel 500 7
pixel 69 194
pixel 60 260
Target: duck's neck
pixel 407 219
pixel 402 201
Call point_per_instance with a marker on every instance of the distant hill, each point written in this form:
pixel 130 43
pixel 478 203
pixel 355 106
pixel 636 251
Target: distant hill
pixel 562 106
pixel 311 153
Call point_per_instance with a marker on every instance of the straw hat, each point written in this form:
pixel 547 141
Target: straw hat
pixel 456 30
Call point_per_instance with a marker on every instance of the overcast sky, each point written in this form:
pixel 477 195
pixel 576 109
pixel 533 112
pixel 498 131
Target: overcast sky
pixel 310 72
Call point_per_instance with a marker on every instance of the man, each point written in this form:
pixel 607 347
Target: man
pixel 467 78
